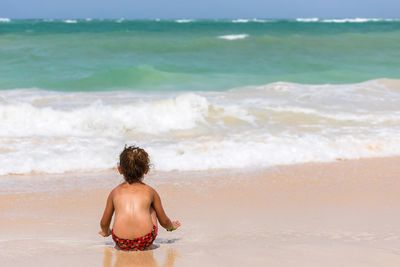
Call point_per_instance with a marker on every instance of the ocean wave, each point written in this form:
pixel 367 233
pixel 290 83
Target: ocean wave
pixel 307 19
pixel 347 20
pixel 158 116
pixel 70 21
pixel 250 20
pixel 261 20
pixel 240 21
pixel 143 76
pixel 253 126
pixel 339 116
pixel 63 154
pixel 5 20
pixel 232 37
pixel 184 20
pixel 352 20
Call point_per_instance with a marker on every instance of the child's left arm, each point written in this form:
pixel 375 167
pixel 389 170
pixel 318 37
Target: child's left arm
pixel 107 216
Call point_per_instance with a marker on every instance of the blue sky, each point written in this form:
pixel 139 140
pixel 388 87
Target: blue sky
pixel 198 8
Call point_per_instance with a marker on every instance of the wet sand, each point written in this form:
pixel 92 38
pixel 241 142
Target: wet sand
pixel 345 213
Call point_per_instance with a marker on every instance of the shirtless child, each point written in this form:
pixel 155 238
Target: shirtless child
pixel 136 205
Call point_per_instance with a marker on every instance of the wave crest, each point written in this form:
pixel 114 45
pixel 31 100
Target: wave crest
pixel 232 37
pixel 184 20
pixel 70 21
pixel 307 19
pixel 346 20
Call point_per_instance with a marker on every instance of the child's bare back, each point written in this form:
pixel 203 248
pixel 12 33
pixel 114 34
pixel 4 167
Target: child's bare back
pixel 132 204
pixel 136 205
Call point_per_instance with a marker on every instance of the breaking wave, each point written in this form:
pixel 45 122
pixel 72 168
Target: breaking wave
pixel 254 126
pixel 232 37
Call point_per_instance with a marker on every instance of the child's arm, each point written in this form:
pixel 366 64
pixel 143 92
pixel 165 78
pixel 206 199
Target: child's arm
pixel 162 216
pixel 107 216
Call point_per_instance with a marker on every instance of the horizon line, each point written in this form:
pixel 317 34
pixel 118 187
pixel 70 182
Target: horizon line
pixel 188 18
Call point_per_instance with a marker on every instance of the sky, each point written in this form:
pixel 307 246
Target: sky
pixel 168 9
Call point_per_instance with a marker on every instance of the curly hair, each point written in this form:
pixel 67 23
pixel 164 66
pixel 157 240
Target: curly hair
pixel 135 163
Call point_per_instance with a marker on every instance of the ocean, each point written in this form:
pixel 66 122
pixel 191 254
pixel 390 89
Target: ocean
pixel 197 94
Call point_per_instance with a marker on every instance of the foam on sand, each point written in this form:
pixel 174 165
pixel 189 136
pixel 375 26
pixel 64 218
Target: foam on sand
pixel 232 37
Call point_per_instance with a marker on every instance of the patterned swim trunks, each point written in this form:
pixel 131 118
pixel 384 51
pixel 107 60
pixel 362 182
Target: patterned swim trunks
pixel 140 243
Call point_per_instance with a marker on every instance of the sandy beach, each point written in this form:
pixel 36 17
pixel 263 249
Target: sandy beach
pixel 344 213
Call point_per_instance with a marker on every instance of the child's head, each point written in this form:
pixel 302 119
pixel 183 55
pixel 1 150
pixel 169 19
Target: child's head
pixel 134 163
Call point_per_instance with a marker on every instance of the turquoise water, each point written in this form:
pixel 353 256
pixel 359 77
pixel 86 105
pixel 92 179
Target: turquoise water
pixel 195 56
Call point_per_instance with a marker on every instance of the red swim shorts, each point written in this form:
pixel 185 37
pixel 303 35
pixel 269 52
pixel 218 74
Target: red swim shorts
pixel 140 243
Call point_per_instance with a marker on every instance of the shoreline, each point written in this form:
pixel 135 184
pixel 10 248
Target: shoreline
pixel 111 177
pixel 317 214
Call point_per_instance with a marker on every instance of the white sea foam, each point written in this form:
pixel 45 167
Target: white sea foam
pixel 351 20
pixel 70 21
pixel 279 123
pixel 250 20
pixel 240 20
pixel 260 20
pixel 156 117
pixel 5 20
pixel 232 37
pixel 184 20
pixel 346 20
pixel 307 19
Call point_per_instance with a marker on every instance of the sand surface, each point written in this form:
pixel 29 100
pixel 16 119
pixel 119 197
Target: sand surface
pixel 345 213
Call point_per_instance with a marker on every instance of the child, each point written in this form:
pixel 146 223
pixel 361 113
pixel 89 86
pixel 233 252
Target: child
pixel 136 205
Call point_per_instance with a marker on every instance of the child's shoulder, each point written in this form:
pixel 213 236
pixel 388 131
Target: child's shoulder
pixel 117 189
pixel 148 188
pixel 114 190
pixel 124 185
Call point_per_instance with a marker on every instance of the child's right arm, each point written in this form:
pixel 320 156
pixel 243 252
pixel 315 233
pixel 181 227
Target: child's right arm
pixel 162 216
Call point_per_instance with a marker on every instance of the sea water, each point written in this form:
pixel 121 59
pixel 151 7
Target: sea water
pixel 197 94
